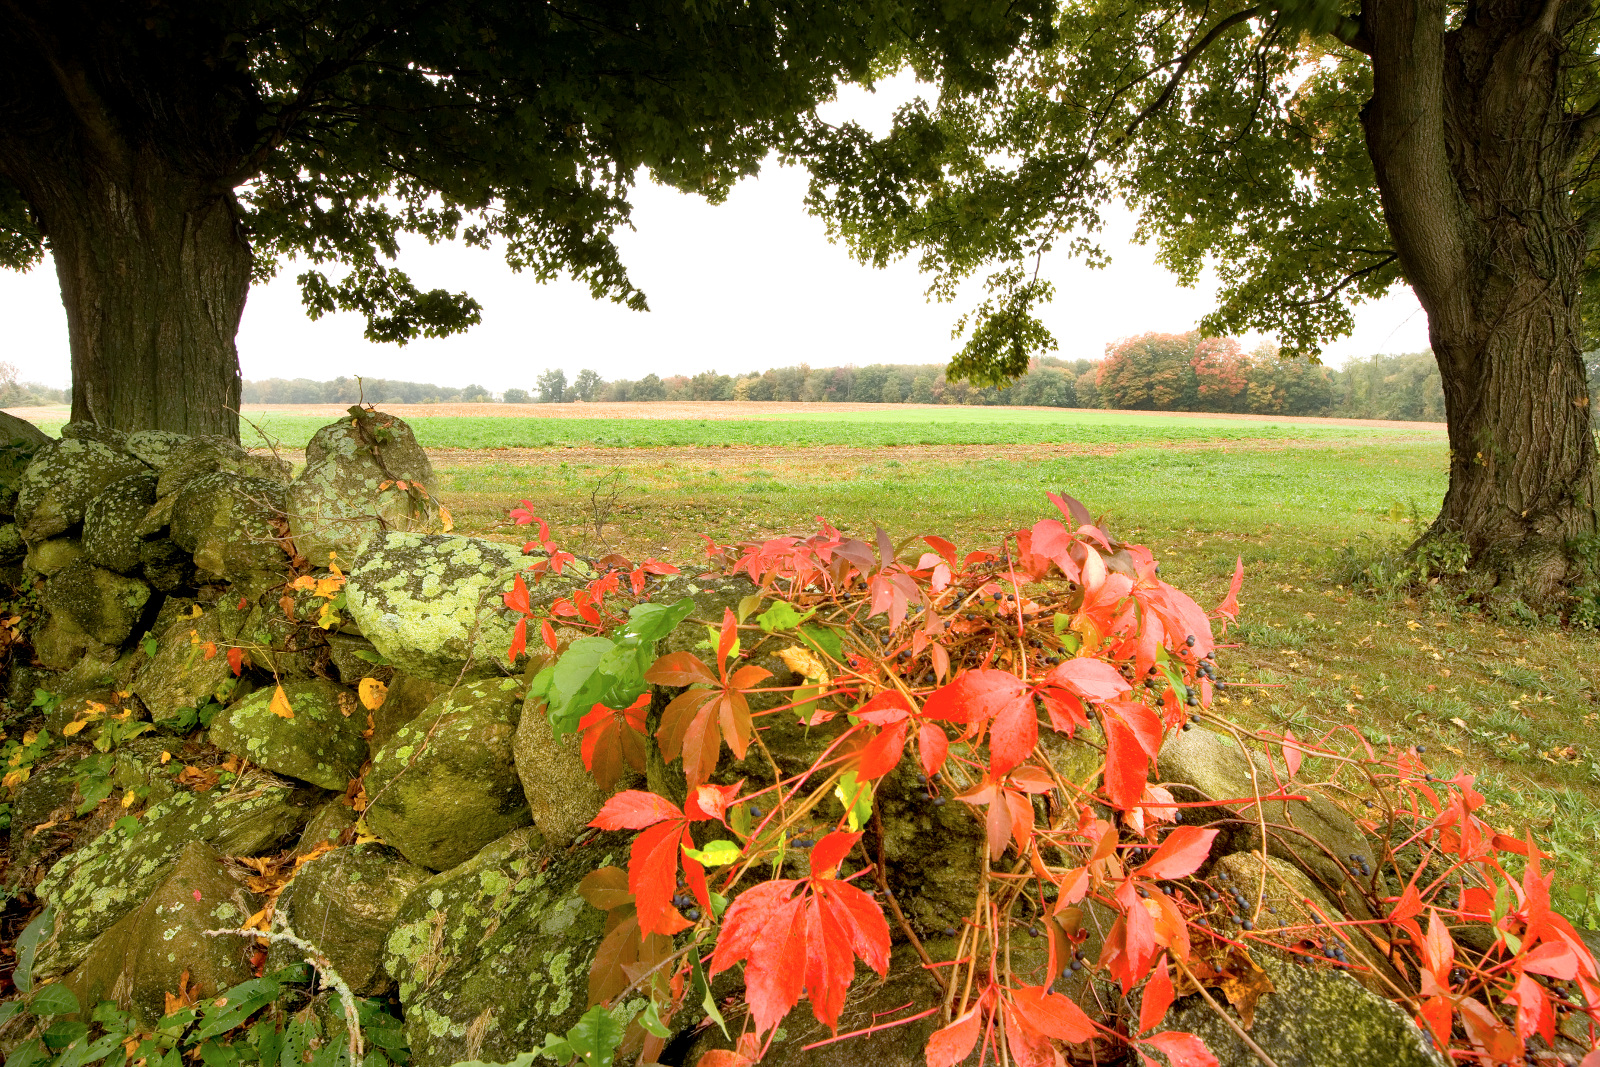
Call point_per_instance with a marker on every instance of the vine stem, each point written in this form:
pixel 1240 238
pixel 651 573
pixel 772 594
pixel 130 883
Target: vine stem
pixel 881 876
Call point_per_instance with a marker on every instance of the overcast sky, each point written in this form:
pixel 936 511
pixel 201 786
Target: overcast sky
pixel 749 285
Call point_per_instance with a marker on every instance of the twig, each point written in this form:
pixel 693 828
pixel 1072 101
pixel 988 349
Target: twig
pixel 320 963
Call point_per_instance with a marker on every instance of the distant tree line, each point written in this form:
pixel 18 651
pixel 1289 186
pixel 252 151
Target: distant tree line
pixel 15 394
pixel 1151 372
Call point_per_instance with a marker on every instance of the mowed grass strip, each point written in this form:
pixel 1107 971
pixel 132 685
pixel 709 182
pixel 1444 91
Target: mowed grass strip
pixel 1512 702
pixel 1088 428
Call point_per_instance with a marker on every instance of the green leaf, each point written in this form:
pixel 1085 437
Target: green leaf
pixel 53 1000
pixel 782 616
pixel 651 1021
pixel 595 1037
pixel 707 1001
pixel 651 622
pixel 9 1009
pixel 150 646
pixel 28 946
pixel 370 656
pixel 63 1032
pixel 239 1003
pixel 823 640
pixel 576 685
pixel 716 854
pixel 28 1054
pixel 856 798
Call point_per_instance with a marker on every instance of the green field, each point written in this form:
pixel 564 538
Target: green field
pixel 981 426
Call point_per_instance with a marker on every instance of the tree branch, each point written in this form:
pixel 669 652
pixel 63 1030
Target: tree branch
pixel 1185 61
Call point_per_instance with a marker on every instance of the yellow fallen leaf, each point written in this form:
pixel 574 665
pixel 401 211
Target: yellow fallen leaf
pixel 129 800
pixel 446 523
pixel 373 693
pixel 166 758
pixel 280 704
pixel 195 612
pixel 72 729
pixel 803 662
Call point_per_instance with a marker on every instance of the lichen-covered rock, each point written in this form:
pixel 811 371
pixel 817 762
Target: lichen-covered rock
pixel 1316 1017
pixel 192 457
pixel 155 447
pixel 345 903
pixel 433 604
pixel 49 788
pixel 138 766
pixel 101 603
pixel 1201 764
pixel 48 557
pixel 446 785
pixel 179 677
pixel 60 645
pixel 111 522
pixel 101 882
pixel 153 950
pixel 562 795
pixel 12 546
pixel 84 430
pixel 165 565
pixel 224 520
pixel 19 440
pixel 60 482
pixel 336 504
pixel 492 955
pixel 321 743
pixel 407 698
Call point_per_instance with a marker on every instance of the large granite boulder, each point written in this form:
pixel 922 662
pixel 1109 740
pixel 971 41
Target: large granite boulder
pixel 495 953
pixel 19 441
pixel 93 887
pixel 21 432
pixel 111 522
pixel 155 948
pixel 446 784
pixel 562 795
pixel 103 604
pixel 64 476
pixel 432 604
pixel 345 902
pixel 165 565
pixel 349 491
pixel 88 430
pixel 319 741
pixel 225 520
pixel 12 546
pixel 403 701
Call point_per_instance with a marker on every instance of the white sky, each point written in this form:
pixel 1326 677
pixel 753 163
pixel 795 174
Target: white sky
pixel 749 285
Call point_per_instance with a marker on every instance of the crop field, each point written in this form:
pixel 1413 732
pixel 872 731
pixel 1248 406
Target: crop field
pixel 1308 504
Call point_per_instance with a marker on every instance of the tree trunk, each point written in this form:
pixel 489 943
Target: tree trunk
pixel 154 274
pixel 1471 147
pixel 127 157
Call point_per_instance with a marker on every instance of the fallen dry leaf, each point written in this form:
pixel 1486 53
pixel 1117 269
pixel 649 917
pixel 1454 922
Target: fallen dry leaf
pixel 803 662
pixel 373 693
pixel 280 704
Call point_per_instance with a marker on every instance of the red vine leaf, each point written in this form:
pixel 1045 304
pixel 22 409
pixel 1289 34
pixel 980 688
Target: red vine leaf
pixel 1181 854
pixel 1182 1050
pixel 614 738
pixel 1157 997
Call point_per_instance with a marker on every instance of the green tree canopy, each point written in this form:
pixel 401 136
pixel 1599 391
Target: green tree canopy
pixel 170 153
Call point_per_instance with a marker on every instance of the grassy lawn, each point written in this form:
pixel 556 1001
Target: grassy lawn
pixel 1515 704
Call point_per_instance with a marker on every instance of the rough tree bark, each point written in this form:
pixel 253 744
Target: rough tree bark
pixel 1472 146
pixel 127 164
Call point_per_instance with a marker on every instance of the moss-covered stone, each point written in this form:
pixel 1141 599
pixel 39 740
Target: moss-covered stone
pixel 19 441
pixel 433 605
pixel 336 505
pixel 407 698
pixel 49 556
pixel 12 546
pixel 179 677
pixel 21 432
pixel 1316 1017
pixel 320 744
pixel 492 955
pixel 98 884
pixel 111 522
pixel 225 520
pixel 330 825
pixel 349 654
pixel 155 447
pixel 60 645
pixel 165 565
pixel 1201 764
pixel 192 457
pixel 446 785
pixel 562 795
pixel 61 480
pixel 85 430
pixel 150 951
pixel 345 903
pixel 101 603
pixel 138 766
